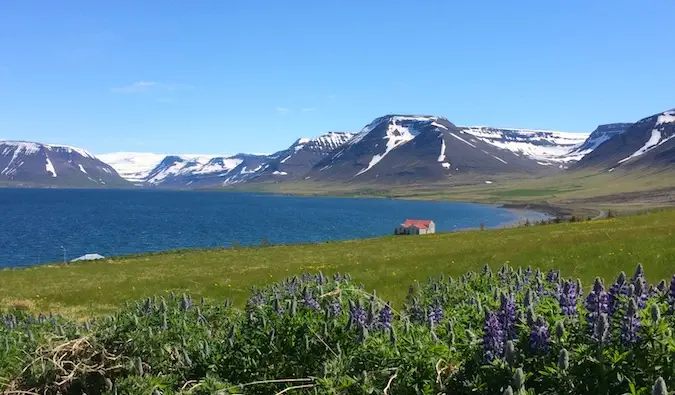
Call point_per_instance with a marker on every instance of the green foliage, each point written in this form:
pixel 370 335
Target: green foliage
pixel 311 334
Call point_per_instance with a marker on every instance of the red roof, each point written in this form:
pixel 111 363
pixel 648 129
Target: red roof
pixel 418 223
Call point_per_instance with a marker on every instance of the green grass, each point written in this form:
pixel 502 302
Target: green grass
pixel 530 192
pixel 584 250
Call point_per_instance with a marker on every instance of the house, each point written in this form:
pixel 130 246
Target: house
pixel 416 227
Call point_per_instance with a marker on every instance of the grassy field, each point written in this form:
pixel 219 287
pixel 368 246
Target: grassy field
pixel 388 264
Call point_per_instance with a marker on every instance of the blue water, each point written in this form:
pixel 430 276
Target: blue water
pixel 35 223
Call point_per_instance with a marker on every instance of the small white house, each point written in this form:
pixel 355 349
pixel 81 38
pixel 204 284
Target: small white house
pixel 416 227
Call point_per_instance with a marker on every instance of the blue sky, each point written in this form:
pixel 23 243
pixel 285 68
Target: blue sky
pixel 252 76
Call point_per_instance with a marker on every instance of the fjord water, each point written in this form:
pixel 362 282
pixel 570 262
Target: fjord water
pixel 36 223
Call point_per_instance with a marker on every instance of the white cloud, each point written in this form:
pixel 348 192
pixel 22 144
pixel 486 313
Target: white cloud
pixel 283 110
pixel 148 86
pixel 308 109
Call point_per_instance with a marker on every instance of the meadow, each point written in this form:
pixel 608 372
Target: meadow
pixel 584 250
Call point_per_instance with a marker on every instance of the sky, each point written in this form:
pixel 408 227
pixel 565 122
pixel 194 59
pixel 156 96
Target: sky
pixel 218 77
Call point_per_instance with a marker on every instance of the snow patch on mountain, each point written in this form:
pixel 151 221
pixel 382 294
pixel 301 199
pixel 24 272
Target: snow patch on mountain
pixel 132 166
pixel 50 167
pixel 394 136
pixel 441 157
pixel 666 117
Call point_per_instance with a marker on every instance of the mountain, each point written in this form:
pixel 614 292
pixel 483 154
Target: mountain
pixel 35 164
pixel 298 159
pixel 407 148
pixel 599 136
pixel 132 166
pixel 546 147
pixel 646 143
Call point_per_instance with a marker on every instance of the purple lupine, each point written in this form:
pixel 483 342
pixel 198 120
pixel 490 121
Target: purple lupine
pixel 552 276
pixel 507 315
pixel 334 308
pixel 416 311
pixel 385 317
pixel 639 273
pixel 630 324
pixel 309 301
pixel 596 303
pixel 357 315
pixel 306 277
pixel 641 292
pixel 258 299
pixel 528 274
pixel 616 291
pixel 493 338
pixel 435 314
pixel 337 277
pixel 277 307
pixel 568 298
pixel 671 294
pixel 539 338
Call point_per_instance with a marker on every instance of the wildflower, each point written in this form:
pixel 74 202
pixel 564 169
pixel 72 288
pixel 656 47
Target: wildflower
pixel 334 308
pixel 385 317
pixel 596 303
pixel 539 339
pixel 564 360
pixel 568 299
pixel 435 314
pixel 258 299
pixel 416 311
pixel 277 307
pixel 559 330
pixel 493 338
pixel 519 380
pixel 357 314
pixel 618 289
pixel 630 325
pixel 508 391
pixel 659 387
pixel 507 315
pixel 309 301
pixel 601 328
pixel 552 276
pixel 655 313
pixel 662 287
pixel 510 352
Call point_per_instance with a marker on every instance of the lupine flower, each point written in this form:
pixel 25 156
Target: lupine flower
pixel 292 286
pixel 662 286
pixel 385 317
pixel 539 339
pixel 641 294
pixel 435 314
pixel 334 308
pixel 655 313
pixel 519 380
pixel 507 315
pixel 357 315
pixel 659 387
pixel 337 277
pixel 559 329
pixel 596 303
pixel 258 299
pixel 564 360
pixel 579 288
pixel 630 325
pixel 510 352
pixel 616 291
pixel 277 307
pixel 309 301
pixel 639 273
pixel 493 338
pixel 568 299
pixel 528 274
pixel 528 300
pixel 416 311
pixel 552 276
pixel 601 328
pixel 508 391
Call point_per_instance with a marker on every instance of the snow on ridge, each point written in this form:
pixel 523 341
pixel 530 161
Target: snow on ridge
pixel 17 148
pixel 666 117
pixel 462 140
pixel 82 169
pixel 69 148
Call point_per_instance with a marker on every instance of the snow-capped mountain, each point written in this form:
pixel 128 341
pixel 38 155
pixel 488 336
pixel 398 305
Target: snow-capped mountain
pixel 647 143
pixel 416 148
pixel 546 147
pixel 599 136
pixel 132 166
pixel 31 163
pixel 301 156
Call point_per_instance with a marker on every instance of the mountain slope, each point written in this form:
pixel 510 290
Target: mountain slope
pixel 30 163
pixel 546 147
pixel 408 148
pixel 646 143
pixel 298 159
pixel 132 166
pixel 601 134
